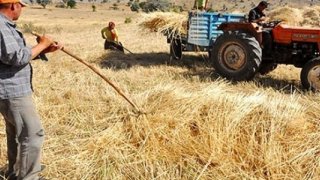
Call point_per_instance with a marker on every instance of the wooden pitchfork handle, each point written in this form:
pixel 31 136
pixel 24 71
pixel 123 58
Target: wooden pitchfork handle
pixel 98 73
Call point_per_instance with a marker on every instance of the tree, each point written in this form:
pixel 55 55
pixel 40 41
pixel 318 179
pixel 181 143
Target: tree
pixel 44 3
pixel 114 6
pixel 60 5
pixel 71 3
pixel 156 5
pixel 135 7
pixel 94 8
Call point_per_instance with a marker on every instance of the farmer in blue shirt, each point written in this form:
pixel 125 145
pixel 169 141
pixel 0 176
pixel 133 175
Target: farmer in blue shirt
pixel 23 127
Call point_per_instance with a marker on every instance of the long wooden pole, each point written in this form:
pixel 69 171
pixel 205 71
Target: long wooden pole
pixel 103 77
pixel 98 73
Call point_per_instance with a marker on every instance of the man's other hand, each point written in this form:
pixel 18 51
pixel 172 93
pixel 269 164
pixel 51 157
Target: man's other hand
pixel 45 41
pixel 53 47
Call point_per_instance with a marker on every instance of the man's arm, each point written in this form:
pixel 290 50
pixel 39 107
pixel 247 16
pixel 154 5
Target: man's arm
pixel 44 43
pixel 13 54
pixel 103 33
pixel 116 38
pixel 252 15
pixel 262 19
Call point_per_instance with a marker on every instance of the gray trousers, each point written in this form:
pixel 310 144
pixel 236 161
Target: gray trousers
pixel 25 136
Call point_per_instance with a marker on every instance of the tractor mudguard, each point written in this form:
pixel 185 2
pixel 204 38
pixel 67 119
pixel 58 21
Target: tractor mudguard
pixel 252 28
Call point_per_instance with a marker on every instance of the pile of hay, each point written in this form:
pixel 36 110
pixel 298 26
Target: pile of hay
pixel 288 15
pixel 165 22
pixel 306 16
pixel 311 16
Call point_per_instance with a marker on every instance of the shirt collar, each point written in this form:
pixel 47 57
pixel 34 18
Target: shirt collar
pixel 8 21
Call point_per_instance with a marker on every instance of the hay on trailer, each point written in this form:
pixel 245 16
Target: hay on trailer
pixel 165 23
pixel 306 16
pixel 288 15
pixel 311 17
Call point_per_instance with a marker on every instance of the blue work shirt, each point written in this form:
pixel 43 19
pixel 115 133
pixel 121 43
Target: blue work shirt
pixel 15 56
pixel 255 13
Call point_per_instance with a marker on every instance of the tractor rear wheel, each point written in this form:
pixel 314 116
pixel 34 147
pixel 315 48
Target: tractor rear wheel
pixel 310 75
pixel 236 56
pixel 176 49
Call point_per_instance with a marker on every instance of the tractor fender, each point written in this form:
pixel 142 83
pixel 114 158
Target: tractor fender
pixel 252 28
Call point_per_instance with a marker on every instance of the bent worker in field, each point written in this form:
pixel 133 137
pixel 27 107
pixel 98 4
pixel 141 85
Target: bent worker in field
pixel 24 131
pixel 256 14
pixel 110 34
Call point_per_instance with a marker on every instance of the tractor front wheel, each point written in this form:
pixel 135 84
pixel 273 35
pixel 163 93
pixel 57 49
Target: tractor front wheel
pixel 236 56
pixel 310 75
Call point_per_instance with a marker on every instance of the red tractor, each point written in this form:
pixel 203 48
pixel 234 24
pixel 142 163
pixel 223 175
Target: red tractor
pixel 245 49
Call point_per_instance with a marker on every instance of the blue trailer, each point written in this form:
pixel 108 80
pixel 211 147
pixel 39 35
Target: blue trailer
pixel 202 31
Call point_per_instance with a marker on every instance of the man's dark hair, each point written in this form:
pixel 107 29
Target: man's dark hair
pixel 264 3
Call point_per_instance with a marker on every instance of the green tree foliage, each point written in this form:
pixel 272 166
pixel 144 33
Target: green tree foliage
pixel 135 6
pixel 44 3
pixel 71 3
pixel 142 4
pixel 129 3
pixel 115 6
pixel 60 5
pixel 128 20
pixel 156 5
pixel 94 8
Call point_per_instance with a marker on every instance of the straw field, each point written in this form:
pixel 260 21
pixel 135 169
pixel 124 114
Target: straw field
pixel 196 125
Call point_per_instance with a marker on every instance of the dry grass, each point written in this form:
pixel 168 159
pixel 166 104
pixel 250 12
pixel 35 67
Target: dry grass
pixel 197 126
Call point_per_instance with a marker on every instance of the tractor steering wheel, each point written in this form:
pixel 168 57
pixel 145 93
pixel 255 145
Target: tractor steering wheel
pixel 271 24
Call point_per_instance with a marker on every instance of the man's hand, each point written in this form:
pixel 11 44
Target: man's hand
pixel 45 45
pixel 264 19
pixel 54 47
pixel 45 41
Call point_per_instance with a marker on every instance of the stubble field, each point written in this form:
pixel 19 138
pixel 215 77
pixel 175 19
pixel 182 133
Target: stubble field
pixel 196 125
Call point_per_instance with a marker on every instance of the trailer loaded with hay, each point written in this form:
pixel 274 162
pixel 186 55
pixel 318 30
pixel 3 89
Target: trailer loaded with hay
pixel 238 50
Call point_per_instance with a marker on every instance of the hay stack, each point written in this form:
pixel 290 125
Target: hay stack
pixel 306 16
pixel 311 17
pixel 289 15
pixel 165 22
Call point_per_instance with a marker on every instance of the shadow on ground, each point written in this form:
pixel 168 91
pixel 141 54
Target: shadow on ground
pixel 197 65
pixel 282 85
pixel 118 61
pixel 266 81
